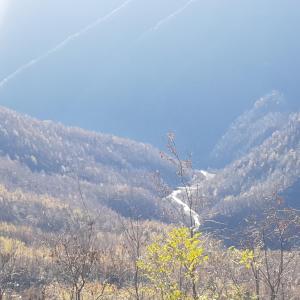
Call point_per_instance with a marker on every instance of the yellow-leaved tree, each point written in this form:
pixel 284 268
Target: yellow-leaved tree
pixel 171 263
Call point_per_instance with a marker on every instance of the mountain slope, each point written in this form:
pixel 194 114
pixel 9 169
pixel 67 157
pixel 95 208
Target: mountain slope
pixel 269 114
pixel 270 167
pixel 47 158
pixel 262 149
pixel 268 164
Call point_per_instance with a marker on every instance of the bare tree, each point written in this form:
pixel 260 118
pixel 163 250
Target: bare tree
pixel 273 241
pixel 75 255
pixel 191 194
pixel 184 168
pixel 135 238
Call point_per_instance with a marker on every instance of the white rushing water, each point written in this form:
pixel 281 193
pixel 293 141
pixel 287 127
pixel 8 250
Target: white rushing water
pixel 207 175
pixel 175 198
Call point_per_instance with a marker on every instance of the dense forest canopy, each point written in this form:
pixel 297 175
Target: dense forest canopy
pixel 103 207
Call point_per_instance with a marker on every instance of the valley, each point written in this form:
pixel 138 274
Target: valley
pixel 85 191
pixel 149 150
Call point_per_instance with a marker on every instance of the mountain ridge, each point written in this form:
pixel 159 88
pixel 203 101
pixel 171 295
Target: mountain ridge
pixel 268 114
pixel 118 175
pixel 266 168
pixel 46 157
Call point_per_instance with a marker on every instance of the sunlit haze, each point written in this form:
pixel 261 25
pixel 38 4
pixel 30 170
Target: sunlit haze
pixel 149 149
pixel 3 9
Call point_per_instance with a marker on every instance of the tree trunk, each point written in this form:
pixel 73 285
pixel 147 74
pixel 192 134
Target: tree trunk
pixel 77 294
pixel 136 282
pixel 273 295
pixel 195 294
pixel 257 286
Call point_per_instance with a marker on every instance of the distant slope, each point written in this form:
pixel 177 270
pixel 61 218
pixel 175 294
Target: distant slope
pixel 46 158
pixel 269 113
pixel 270 167
pixel 262 152
pixel 245 185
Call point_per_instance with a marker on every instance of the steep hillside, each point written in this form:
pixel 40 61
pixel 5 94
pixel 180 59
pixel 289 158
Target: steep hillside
pixel 269 114
pixel 66 184
pixel 115 175
pixel 64 193
pixel 261 153
pixel 270 167
pixel 268 164
pixel 45 158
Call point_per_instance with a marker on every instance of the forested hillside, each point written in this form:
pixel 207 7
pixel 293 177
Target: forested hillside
pixel 65 184
pixel 85 215
pixel 139 159
pixel 46 158
pixel 116 174
pixel 269 114
pixel 261 153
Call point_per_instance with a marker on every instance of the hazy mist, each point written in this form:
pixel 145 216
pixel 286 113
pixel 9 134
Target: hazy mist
pixel 151 67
